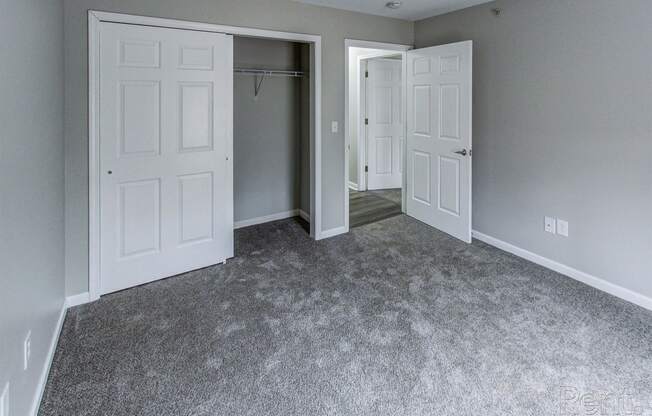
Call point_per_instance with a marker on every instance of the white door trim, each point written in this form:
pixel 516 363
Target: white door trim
pixel 94 20
pixel 353 43
pixel 362 130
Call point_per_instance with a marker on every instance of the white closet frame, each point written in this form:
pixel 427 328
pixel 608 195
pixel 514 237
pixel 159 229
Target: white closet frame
pixel 94 20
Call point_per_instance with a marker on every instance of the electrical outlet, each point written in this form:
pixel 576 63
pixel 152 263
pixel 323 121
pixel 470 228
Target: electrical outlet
pixel 562 227
pixel 27 350
pixel 4 401
pixel 335 127
pixel 549 225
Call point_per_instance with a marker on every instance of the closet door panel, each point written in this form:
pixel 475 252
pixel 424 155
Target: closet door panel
pixel 166 192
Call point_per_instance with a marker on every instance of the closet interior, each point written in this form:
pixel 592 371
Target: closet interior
pixel 271 131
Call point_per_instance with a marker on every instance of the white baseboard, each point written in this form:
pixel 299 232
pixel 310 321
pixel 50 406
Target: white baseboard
pixel 266 218
pixel 79 299
pixel 353 185
pixel 333 232
pixel 43 379
pixel 303 214
pixel 596 282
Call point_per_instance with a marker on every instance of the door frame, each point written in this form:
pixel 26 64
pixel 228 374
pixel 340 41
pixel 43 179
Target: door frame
pixel 353 43
pixel 95 18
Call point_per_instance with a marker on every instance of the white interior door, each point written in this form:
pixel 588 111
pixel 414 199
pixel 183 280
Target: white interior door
pixel 439 97
pixel 166 187
pixel 385 128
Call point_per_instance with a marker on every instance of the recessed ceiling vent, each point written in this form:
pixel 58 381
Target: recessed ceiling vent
pixel 393 5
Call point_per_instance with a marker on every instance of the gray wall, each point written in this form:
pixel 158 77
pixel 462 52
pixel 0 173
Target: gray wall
pixel 562 126
pixel 31 190
pixel 333 25
pixel 267 130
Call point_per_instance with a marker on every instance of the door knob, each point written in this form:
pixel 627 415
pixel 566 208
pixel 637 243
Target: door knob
pixel 461 152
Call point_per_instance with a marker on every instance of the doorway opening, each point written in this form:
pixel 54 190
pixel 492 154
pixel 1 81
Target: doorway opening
pixel 375 131
pixel 271 131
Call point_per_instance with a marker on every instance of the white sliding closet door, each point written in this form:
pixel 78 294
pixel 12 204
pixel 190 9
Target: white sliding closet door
pixel 439 95
pixel 166 176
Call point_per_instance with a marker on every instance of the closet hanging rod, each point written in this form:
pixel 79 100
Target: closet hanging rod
pixel 268 72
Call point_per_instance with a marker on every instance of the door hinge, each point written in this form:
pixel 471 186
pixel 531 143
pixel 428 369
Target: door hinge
pixel 366 169
pixel 366 74
pixel 366 121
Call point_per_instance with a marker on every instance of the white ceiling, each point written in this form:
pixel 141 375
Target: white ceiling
pixel 410 10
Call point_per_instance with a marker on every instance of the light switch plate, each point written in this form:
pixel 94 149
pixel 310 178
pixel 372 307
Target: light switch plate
pixel 549 225
pixel 562 227
pixel 335 127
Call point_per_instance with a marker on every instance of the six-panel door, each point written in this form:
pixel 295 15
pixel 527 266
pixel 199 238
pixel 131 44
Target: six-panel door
pixel 165 144
pixel 439 97
pixel 385 130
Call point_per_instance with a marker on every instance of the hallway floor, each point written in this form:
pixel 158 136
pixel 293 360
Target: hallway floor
pixel 371 206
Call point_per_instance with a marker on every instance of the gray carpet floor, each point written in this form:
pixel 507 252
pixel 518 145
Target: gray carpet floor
pixel 394 318
pixel 370 206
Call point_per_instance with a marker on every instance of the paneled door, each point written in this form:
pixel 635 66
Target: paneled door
pixel 439 96
pixel 385 124
pixel 166 187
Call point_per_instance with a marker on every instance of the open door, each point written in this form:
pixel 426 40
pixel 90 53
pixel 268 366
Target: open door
pixel 385 124
pixel 439 98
